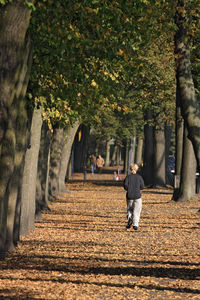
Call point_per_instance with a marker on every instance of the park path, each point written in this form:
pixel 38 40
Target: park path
pixel 82 250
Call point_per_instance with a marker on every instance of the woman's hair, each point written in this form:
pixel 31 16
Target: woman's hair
pixel 134 168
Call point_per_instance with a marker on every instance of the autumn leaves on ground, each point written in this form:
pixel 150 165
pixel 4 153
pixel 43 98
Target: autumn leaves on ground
pixel 82 250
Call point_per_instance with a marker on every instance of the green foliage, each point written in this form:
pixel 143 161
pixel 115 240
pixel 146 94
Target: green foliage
pixel 4 2
pixel 103 56
pixel 30 5
pixel 195 54
pixel 77 53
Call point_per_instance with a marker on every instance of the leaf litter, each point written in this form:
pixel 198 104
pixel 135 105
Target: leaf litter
pixel 82 250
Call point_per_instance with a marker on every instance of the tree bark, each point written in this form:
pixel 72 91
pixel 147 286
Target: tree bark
pixel 139 151
pixel 159 158
pixel 114 155
pixel 189 105
pixel 187 188
pixel 131 157
pixel 55 163
pixel 148 167
pixel 126 171
pixel 68 139
pixel 118 155
pixel 15 67
pixel 30 176
pixel 179 134
pixel 42 174
pixel 107 160
pixel 168 174
pixel 20 126
pixel 179 131
pixel 80 148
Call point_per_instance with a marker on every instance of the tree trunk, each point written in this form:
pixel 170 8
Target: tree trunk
pixel 126 171
pixel 55 163
pixel 30 176
pixel 159 158
pixel 96 148
pixel 179 130
pixel 114 155
pixel 168 174
pixel 80 148
pixel 107 160
pixel 187 188
pixel 70 168
pixel 139 151
pixel 68 139
pixel 148 166
pixel 179 134
pixel 118 155
pixel 20 128
pixel 42 174
pixel 189 105
pixel 15 67
pixel 131 157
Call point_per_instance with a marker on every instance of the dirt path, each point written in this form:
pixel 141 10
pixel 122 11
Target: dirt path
pixel 81 249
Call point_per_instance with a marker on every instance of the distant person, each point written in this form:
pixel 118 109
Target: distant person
pixel 93 161
pixel 100 164
pixel 133 184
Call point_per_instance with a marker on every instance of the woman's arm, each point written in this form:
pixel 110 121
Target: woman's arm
pixel 126 183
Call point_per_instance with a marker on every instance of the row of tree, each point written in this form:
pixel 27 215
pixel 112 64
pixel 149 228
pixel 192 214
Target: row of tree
pixel 107 65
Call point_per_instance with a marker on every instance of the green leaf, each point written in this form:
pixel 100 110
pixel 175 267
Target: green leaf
pixel 30 5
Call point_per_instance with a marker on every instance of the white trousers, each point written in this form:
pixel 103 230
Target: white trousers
pixel 134 208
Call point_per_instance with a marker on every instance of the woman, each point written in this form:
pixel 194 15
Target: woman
pixel 133 184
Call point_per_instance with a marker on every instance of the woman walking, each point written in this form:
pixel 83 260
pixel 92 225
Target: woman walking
pixel 133 184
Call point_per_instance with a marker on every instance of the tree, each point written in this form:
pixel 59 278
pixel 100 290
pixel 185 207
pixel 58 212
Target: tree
pixel 159 160
pixel 43 171
pixel 188 100
pixel 139 151
pixel 15 63
pixel 80 148
pixel 55 153
pixel 28 193
pixel 68 135
pixel 186 103
pixel 187 188
pixel 148 167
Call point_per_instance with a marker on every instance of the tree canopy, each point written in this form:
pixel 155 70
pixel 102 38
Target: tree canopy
pixel 88 54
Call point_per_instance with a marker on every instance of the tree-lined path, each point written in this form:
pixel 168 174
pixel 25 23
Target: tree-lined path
pixel 81 249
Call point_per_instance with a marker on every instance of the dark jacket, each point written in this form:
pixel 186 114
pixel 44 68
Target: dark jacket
pixel 133 183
